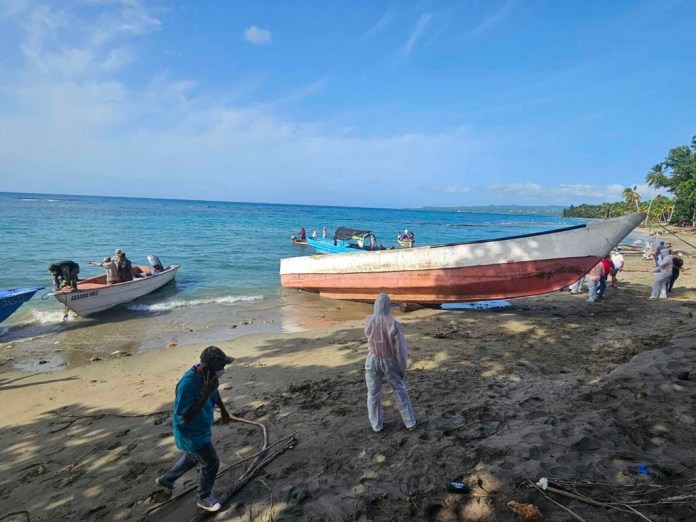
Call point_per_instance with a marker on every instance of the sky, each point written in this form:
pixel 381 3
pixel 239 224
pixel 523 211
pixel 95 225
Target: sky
pixel 344 102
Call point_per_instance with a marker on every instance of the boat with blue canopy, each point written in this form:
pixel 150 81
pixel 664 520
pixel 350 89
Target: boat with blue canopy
pixel 345 240
pixel 11 300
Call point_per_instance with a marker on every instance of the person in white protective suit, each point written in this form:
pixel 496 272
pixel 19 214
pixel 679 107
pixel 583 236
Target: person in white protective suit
pixel 663 277
pixel 387 357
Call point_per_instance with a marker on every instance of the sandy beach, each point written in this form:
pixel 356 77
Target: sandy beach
pixel 597 397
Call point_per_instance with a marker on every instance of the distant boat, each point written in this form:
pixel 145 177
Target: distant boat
pixel 516 266
pixel 298 241
pixel 406 243
pixel 94 295
pixel 345 240
pixel 11 300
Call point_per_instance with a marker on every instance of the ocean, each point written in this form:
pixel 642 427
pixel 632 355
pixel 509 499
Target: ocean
pixel 229 253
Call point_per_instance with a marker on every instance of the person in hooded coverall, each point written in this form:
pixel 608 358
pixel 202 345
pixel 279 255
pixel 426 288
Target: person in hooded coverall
pixel 663 277
pixel 387 357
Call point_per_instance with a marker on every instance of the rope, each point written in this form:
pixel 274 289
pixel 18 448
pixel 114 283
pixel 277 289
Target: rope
pixel 675 235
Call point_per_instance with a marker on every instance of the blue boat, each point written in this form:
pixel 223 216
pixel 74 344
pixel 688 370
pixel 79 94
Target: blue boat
pixel 10 300
pixel 345 240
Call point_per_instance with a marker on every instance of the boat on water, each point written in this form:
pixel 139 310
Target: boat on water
pixel 298 241
pixel 95 295
pixel 406 243
pixel 517 266
pixel 345 240
pixel 11 300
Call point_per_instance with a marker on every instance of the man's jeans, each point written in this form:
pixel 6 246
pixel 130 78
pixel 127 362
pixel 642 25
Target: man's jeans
pixel 592 290
pixel 207 461
pixel 602 287
pixel 376 368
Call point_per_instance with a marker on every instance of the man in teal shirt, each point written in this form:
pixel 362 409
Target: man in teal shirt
pixel 194 404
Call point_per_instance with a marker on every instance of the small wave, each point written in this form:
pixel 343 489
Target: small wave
pixel 48 317
pixel 179 303
pixel 40 200
pixel 3 331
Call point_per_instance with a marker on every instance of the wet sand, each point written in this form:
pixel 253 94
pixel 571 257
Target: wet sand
pixel 552 387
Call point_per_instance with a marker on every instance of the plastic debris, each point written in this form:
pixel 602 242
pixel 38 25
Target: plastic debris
pixel 543 483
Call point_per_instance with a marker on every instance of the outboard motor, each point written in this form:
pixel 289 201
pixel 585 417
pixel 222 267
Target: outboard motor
pixel 155 262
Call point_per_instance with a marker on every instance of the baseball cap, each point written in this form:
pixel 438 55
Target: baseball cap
pixel 214 355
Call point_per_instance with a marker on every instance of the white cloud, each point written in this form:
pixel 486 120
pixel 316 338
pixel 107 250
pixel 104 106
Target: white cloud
pixel 561 193
pixel 522 189
pixel 383 22
pixel 416 33
pixel 589 191
pixel 491 21
pixel 116 59
pixel 71 109
pixel 257 36
pixel 451 189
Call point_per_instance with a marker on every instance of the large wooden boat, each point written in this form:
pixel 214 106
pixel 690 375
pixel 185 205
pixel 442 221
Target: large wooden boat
pixel 95 295
pixel 11 300
pixel 517 266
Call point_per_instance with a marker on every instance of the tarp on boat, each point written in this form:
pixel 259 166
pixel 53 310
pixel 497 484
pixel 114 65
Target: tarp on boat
pixel 347 234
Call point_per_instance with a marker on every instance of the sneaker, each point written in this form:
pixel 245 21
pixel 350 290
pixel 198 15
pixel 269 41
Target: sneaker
pixel 209 503
pixel 413 427
pixel 164 484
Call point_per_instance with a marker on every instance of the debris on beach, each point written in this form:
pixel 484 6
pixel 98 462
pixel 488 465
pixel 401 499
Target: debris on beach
pixel 449 330
pixel 120 353
pixel 171 344
pixel 526 511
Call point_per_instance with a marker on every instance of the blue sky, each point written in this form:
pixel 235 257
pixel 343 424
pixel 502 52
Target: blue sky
pixel 365 103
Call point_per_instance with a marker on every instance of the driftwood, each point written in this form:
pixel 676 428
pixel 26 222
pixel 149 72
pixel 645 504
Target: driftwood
pixel 625 498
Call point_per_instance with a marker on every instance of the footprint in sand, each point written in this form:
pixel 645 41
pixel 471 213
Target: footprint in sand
pixel 35 471
pixel 135 471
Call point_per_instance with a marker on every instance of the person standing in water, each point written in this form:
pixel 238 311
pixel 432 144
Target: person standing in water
pixel 387 357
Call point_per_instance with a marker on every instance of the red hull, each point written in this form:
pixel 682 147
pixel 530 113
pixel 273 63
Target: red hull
pixel 475 283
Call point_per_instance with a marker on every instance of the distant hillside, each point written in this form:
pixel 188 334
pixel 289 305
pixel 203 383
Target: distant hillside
pixel 504 209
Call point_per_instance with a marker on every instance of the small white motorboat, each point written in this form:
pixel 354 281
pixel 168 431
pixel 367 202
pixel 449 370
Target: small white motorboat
pixel 95 295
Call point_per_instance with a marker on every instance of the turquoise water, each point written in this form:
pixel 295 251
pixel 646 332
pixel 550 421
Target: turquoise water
pixel 229 255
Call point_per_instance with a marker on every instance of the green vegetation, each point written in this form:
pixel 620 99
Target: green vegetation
pixel 677 174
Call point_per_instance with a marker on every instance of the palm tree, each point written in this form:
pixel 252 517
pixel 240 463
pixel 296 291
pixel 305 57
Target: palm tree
pixel 631 196
pixel 655 179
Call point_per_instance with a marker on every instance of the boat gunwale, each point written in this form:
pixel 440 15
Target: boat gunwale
pixel 121 284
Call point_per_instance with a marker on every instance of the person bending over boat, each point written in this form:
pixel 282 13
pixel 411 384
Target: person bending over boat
pixel 387 356
pixel 194 405
pixel 111 269
pixel 64 274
